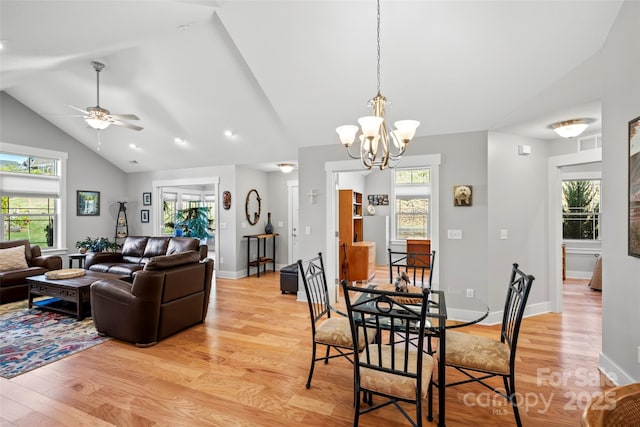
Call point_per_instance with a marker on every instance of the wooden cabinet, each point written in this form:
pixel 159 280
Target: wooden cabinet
pixel 420 246
pixel 357 258
pixel 350 217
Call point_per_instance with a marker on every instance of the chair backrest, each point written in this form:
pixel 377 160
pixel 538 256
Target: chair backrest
pixel 315 286
pixel 399 315
pixel 416 265
pixel 517 295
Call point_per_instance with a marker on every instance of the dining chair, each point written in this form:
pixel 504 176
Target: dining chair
pixel 481 358
pixel 618 406
pixel 329 327
pixel 393 369
pixel 417 265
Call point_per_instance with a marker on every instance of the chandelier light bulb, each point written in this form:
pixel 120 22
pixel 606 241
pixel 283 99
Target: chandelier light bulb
pixel 347 134
pixel 370 125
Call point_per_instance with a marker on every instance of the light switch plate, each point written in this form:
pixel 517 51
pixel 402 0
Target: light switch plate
pixel 504 234
pixel 454 234
pixel 307 230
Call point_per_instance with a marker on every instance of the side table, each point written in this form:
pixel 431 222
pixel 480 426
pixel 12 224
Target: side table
pixel 79 257
pixel 262 259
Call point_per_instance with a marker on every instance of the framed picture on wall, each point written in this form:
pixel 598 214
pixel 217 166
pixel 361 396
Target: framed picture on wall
pixel 144 215
pixel 146 199
pixel 634 187
pixel 87 203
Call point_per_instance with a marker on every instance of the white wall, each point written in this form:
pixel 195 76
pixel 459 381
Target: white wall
pixel 85 169
pixel 518 204
pixel 471 262
pixel 620 272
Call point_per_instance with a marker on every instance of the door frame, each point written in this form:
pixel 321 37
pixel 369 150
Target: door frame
pixel 554 191
pixel 290 188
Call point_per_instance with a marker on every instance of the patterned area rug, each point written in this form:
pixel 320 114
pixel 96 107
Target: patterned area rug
pixel 30 338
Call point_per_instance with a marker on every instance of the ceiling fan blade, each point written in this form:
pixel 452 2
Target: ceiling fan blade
pixel 82 110
pixel 124 116
pixel 125 124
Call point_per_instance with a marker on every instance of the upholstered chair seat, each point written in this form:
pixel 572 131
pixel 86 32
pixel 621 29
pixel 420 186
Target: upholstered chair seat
pixel 477 352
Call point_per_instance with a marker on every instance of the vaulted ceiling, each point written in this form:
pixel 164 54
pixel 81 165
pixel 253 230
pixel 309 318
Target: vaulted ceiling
pixel 285 74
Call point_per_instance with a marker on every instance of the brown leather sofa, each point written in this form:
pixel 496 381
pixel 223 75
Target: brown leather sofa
pixel 138 250
pixel 13 283
pixel 171 293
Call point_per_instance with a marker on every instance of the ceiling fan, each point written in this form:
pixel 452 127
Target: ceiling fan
pixel 100 118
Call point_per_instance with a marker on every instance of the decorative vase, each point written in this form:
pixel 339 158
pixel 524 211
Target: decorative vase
pixel 269 227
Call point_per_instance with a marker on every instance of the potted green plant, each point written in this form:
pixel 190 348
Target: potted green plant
pixel 99 244
pixel 193 222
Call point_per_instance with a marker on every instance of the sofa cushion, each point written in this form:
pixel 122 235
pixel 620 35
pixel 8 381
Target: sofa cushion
pixel 13 259
pixel 125 268
pixel 183 244
pixel 156 246
pixel 17 277
pixel 170 261
pixel 14 243
pixel 133 247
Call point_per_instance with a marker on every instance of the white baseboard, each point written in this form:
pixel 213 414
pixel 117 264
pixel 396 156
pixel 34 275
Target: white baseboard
pixel 495 317
pixel 612 371
pixel 579 274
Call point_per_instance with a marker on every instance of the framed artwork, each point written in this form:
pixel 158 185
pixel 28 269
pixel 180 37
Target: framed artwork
pixel 146 199
pixel 144 215
pixel 226 200
pixel 462 195
pixel 87 203
pixel 634 187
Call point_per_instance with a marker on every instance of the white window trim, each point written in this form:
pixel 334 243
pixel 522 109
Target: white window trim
pixel 61 243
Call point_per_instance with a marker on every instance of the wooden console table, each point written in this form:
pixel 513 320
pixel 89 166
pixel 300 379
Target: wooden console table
pixel 262 259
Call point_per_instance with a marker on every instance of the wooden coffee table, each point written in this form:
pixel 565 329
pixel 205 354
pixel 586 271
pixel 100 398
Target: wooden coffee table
pixel 69 296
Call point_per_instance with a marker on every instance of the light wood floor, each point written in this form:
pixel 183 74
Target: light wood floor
pixel 248 363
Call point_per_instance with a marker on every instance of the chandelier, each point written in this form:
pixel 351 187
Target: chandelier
pixel 375 140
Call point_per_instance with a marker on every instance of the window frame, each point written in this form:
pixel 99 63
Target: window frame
pixel 59 181
pixel 428 195
pixel 587 176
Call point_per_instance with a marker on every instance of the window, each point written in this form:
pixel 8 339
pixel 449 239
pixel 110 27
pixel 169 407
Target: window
pixel 412 204
pixel 581 209
pixel 19 163
pixel 174 199
pixel 30 218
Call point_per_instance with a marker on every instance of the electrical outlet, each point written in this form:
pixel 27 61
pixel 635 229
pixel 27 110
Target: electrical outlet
pixel 469 293
pixel 307 230
pixel 221 260
pixel 280 223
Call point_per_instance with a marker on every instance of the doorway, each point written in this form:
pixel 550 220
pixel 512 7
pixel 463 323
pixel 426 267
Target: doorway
pixel 293 221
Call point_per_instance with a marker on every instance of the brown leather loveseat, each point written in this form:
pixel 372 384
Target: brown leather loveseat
pixel 171 293
pixel 13 281
pixel 138 250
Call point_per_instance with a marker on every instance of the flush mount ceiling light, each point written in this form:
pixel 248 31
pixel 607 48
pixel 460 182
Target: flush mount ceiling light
pixel 286 167
pixel 570 128
pixel 375 139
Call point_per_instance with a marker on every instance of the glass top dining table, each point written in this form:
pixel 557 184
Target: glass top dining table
pixel 474 310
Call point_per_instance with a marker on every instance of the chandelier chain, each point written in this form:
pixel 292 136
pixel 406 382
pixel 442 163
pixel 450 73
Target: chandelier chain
pixel 378 40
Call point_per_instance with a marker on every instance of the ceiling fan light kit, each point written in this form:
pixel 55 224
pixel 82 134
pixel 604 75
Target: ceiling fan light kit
pixel 100 118
pixel 571 128
pixel 374 130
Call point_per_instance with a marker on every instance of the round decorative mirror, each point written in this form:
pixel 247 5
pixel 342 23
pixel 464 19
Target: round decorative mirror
pixel 252 206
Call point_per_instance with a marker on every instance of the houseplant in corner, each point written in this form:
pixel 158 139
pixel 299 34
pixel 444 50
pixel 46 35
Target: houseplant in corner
pixel 99 244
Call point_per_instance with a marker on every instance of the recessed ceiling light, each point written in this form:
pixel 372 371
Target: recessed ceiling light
pixel 134 146
pixel 179 141
pixel 184 27
pixel 228 133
